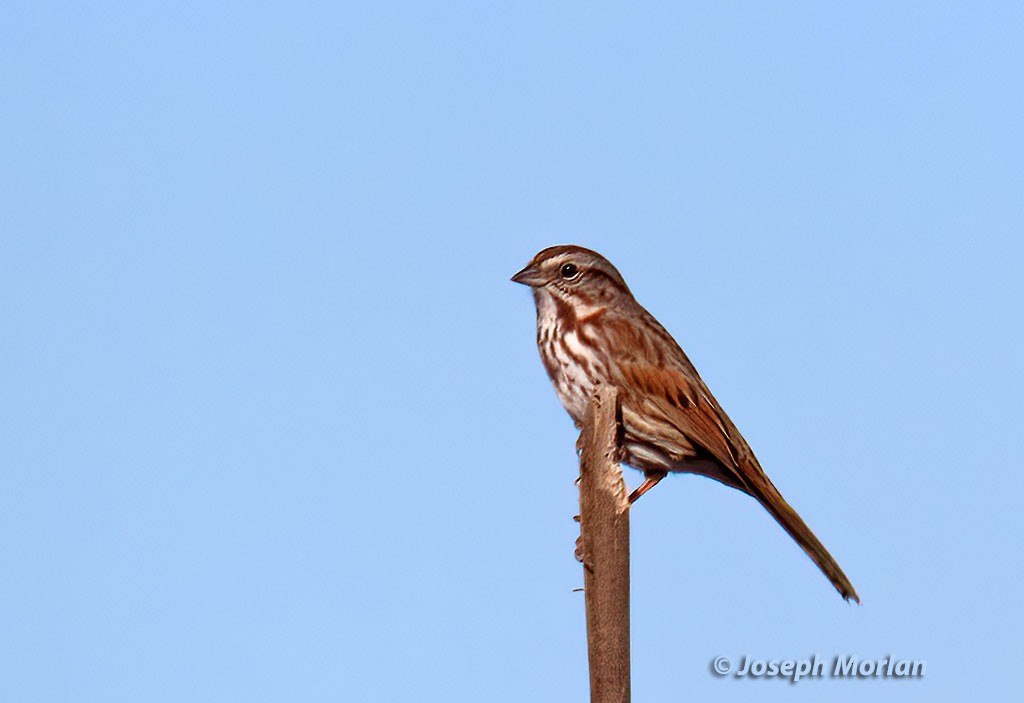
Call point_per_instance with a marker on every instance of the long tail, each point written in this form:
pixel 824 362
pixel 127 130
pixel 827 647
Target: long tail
pixel 768 495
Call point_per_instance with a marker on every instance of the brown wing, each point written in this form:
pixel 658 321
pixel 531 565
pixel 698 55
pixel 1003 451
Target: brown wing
pixel 676 412
pixel 679 416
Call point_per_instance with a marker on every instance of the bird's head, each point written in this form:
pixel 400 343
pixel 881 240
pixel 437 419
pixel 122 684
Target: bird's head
pixel 571 274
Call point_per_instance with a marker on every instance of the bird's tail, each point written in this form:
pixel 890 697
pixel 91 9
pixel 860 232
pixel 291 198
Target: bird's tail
pixel 768 495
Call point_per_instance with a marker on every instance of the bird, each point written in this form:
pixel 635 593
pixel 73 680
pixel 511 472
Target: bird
pixel 591 331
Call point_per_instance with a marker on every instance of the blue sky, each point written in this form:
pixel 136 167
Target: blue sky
pixel 273 422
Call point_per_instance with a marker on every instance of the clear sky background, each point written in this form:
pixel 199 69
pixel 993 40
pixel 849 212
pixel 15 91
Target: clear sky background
pixel 274 427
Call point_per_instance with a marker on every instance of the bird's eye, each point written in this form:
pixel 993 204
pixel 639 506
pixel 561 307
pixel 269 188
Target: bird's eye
pixel 570 271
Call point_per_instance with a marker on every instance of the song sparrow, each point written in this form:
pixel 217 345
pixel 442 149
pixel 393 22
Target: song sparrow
pixel 591 331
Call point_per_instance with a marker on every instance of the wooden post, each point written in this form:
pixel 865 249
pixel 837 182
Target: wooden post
pixel 604 531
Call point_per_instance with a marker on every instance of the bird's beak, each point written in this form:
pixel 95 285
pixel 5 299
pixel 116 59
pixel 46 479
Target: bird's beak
pixel 529 276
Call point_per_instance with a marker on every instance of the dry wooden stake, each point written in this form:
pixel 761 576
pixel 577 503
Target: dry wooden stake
pixel 604 531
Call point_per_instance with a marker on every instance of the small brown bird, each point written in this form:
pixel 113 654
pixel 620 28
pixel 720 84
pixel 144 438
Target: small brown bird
pixel 591 331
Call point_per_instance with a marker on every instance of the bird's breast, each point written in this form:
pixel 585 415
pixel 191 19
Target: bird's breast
pixel 569 361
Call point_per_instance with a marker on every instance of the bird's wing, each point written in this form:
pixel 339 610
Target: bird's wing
pixel 678 414
pixel 677 406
